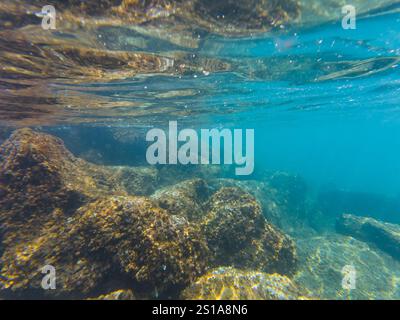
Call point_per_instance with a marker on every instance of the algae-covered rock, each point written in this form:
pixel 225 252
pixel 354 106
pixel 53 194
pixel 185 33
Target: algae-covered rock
pixel 115 236
pixel 171 175
pixel 262 191
pixel 233 284
pixel 282 196
pixel 239 235
pixel 186 199
pixel 142 181
pixel 59 210
pixel 233 224
pixel 145 241
pixel 38 175
pixel 22 262
pixel 233 221
pixel 62 211
pixel 385 236
pixel 325 261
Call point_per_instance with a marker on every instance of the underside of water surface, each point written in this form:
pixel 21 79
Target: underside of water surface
pixel 84 214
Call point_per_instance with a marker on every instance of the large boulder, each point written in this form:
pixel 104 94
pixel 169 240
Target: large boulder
pixel 56 209
pixel 145 241
pixel 39 175
pixel 233 224
pixel 385 236
pixel 239 235
pixel 141 181
pixel 326 260
pixel 282 196
pixel 120 237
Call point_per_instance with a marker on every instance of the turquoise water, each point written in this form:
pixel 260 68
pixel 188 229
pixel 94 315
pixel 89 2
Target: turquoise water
pixel 324 104
pixel 323 100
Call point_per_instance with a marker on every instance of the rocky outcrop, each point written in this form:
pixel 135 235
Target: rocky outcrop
pixel 385 236
pixel 115 236
pixel 59 210
pixel 281 195
pixel 145 241
pixel 324 262
pixel 239 235
pixel 233 284
pixel 39 175
pixel 82 219
pixel 232 222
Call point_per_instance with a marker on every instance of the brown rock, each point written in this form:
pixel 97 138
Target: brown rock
pixel 233 284
pixel 233 224
pixel 186 199
pixel 239 235
pixel 62 211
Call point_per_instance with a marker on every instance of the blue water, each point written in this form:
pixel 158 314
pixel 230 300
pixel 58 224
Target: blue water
pixel 324 101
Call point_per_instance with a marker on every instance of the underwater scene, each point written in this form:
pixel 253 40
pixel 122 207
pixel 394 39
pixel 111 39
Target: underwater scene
pixel 200 150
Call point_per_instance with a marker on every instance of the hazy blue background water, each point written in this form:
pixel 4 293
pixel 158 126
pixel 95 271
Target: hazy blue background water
pixel 343 132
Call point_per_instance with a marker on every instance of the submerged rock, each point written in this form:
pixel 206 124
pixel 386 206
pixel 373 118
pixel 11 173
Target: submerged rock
pixel 282 197
pixel 142 181
pixel 385 236
pixel 186 199
pixel 173 174
pixel 239 235
pixel 120 237
pixel 39 175
pixel 233 284
pixel 59 210
pixel 48 245
pixel 232 222
pixel 324 261
pixel 144 241
pixel 262 191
